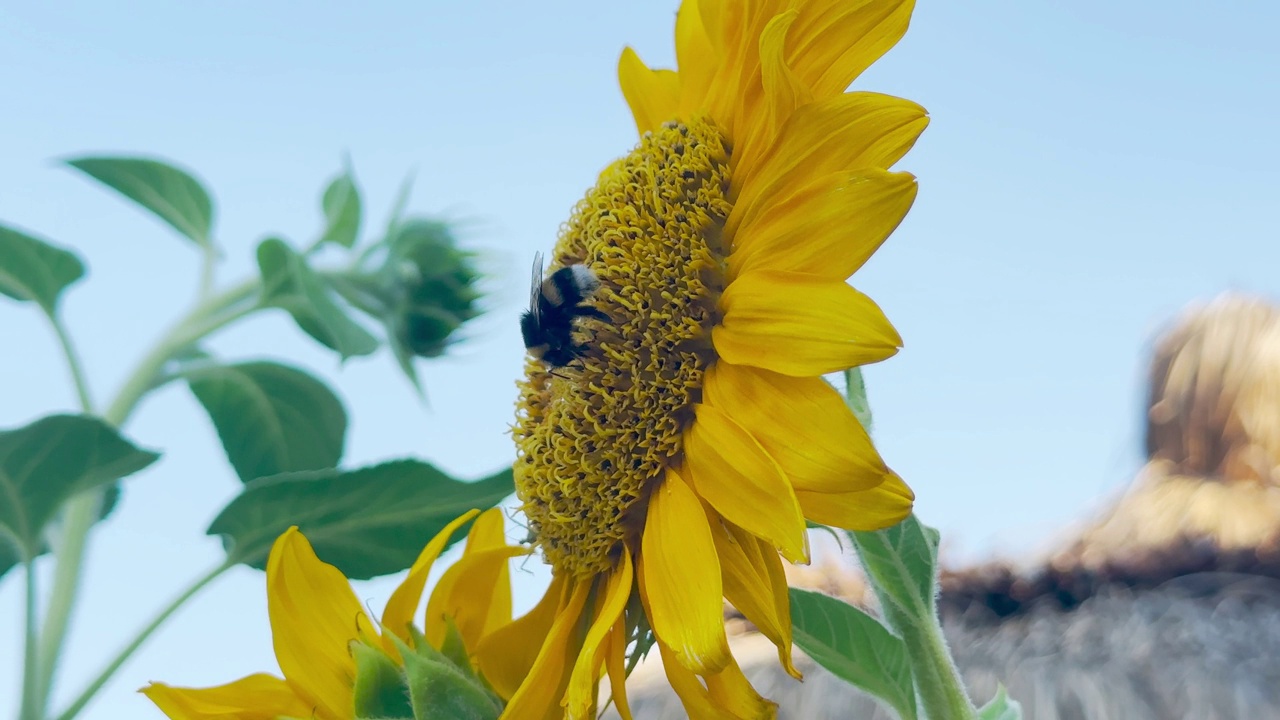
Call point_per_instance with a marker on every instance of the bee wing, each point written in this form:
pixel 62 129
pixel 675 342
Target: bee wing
pixel 535 289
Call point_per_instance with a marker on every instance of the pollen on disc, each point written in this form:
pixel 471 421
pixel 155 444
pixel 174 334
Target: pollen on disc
pixel 592 438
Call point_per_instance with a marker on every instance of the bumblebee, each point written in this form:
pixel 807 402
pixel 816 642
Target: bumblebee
pixel 554 304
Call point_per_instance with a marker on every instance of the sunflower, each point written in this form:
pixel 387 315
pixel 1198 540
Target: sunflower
pixel 316 622
pixel 673 466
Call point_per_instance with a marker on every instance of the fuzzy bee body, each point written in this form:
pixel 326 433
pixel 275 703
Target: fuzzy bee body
pixel 554 304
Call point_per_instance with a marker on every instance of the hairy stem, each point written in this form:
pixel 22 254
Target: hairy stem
pixel 119 660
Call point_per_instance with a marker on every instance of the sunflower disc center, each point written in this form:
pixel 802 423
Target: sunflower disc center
pixel 594 436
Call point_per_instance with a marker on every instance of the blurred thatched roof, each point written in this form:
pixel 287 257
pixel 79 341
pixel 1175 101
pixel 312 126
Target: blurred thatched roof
pixel 1167 605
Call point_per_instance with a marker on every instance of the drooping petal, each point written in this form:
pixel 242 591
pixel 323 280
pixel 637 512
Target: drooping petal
pixel 314 618
pixel 615 655
pixel 654 95
pixel 464 592
pixel 538 697
pixel 680 576
pixel 488 533
pixel 802 422
pixel 800 325
pixel 403 603
pixel 697 702
pixel 506 655
pixel 748 587
pixel 874 509
pixel 850 131
pixel 835 40
pixel 730 690
pixel 827 227
pixel 737 477
pixel 256 697
pixel 616 590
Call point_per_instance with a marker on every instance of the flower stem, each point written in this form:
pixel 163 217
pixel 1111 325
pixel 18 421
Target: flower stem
pixel 73 362
pixel 107 672
pixel 941 692
pixel 30 689
pixel 82 511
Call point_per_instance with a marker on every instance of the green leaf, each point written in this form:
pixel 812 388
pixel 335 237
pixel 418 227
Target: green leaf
pixel 172 194
pixel 47 462
pixel 368 522
pixel 855 647
pixel 396 218
pixel 855 396
pixel 341 206
pixel 271 418
pixel 1001 707
pixel 903 560
pixel 288 283
pixel 32 270
pixel 379 690
pixel 9 556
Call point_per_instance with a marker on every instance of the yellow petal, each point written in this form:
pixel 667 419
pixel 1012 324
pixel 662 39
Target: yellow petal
pixel 828 227
pixel 654 95
pixel 403 604
pixel 777 577
pixel 538 697
pixel 802 422
pixel 581 696
pixel 614 663
pixel 695 57
pixel 800 325
pixel 695 698
pixel 463 595
pixel 874 509
pixel 835 40
pixel 847 132
pixel 780 93
pixel 680 576
pixel 730 690
pixel 486 534
pixel 314 618
pixel 506 655
pixel 256 697
pixel 748 588
pixel 737 477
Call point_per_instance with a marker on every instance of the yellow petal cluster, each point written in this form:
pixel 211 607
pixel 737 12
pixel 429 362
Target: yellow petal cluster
pixel 316 617
pixel 675 464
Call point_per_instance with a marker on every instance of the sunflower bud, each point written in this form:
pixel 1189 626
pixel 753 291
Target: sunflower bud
pixel 436 284
pixel 418 284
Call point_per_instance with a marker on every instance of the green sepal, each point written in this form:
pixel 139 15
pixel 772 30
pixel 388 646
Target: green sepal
pixel 441 690
pixel 380 689
pixel 453 649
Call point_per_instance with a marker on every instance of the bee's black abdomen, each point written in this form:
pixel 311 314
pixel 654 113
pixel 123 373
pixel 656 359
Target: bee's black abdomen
pixel 547 325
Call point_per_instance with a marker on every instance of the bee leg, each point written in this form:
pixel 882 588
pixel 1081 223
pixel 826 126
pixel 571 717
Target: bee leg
pixel 588 311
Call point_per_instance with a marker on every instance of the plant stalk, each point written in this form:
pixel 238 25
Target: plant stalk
pixel 115 664
pixel 940 690
pixel 73 363
pixel 81 511
pixel 30 709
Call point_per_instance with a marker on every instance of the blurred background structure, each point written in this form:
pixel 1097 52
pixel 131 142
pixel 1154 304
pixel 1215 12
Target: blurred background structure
pixel 1165 606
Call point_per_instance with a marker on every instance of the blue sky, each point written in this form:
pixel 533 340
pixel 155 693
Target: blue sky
pixel 1091 167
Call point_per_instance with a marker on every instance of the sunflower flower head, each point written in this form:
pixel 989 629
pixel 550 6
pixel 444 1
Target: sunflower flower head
pixel 338 664
pixel 676 461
